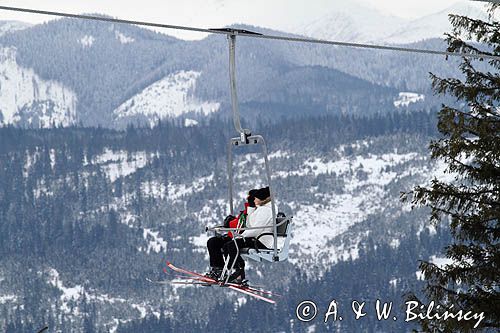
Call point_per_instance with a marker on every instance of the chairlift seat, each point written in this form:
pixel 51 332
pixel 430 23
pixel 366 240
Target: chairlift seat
pixel 283 233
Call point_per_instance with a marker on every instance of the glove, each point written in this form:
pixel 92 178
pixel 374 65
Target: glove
pixel 227 220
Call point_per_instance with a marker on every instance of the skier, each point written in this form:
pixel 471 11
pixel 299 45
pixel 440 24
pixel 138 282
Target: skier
pixel 215 244
pixel 259 214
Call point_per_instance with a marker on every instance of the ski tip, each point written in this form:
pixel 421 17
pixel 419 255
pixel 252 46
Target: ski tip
pixel 169 263
pixel 164 270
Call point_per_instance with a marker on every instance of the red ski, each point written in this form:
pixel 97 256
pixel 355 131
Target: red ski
pixel 185 282
pixel 199 277
pixel 250 291
pixel 203 281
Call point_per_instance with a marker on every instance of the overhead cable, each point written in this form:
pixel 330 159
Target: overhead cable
pixel 251 34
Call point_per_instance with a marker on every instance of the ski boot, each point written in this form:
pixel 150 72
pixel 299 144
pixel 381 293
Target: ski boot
pixel 215 273
pixel 238 277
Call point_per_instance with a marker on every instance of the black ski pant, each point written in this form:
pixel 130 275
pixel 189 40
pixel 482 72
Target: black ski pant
pixel 220 246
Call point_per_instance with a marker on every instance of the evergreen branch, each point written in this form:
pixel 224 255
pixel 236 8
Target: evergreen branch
pixel 473 206
pixel 470 115
pixel 456 19
pixel 464 196
pixel 460 45
pixel 460 89
pixel 482 30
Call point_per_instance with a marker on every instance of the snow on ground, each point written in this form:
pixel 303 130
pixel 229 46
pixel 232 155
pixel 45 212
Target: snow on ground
pixel 200 243
pixel 155 243
pixel 7 298
pixel 154 189
pixel 123 38
pixel 71 295
pixel 177 191
pixel 41 189
pixel 439 172
pixel 311 328
pixel 440 261
pixel 190 122
pixel 316 225
pixel 279 154
pixel 240 301
pixel 30 161
pixel 405 98
pixel 118 164
pixel 141 308
pixel 11 26
pixel 430 228
pixel 169 97
pixel 24 96
pixel 52 155
pixel 207 216
pixel 68 293
pixel 128 218
pixel 394 243
pixel 87 41
pixel 372 164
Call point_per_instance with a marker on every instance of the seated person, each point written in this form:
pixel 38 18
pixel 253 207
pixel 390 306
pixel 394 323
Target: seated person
pixel 260 215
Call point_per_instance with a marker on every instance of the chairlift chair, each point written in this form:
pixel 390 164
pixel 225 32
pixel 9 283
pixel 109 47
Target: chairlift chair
pixel 281 224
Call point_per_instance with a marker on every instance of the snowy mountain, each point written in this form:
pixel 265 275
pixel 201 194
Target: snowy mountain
pixel 355 22
pixel 28 100
pixel 11 26
pixel 434 25
pixel 168 98
pixel 343 20
pixel 350 22
pixel 118 75
pixel 122 75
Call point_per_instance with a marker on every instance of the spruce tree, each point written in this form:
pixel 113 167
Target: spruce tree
pixel 469 145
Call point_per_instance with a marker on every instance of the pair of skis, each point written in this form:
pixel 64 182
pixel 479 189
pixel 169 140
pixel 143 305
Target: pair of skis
pixel 193 278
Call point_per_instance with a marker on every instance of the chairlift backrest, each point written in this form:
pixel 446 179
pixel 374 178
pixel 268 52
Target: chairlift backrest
pixel 269 254
pixel 282 228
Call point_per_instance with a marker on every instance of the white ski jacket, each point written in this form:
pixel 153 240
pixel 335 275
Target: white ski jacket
pixel 261 216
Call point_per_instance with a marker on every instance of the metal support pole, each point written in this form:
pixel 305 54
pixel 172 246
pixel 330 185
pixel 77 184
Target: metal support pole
pixel 244 133
pixel 230 176
pixel 273 207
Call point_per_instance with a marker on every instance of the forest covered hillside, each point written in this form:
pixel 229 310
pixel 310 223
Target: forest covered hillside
pixel 95 73
pixel 88 214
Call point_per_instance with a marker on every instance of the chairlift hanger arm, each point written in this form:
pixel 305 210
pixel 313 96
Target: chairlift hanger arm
pixel 247 33
pixel 244 133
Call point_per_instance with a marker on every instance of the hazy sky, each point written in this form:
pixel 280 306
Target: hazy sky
pixel 216 13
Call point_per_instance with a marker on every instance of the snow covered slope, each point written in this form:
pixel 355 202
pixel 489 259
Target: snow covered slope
pixel 350 22
pixel 355 22
pixel 118 164
pixel 170 97
pixel 345 192
pixel 26 99
pixel 10 26
pixel 434 25
pixel 405 98
pixel 364 193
